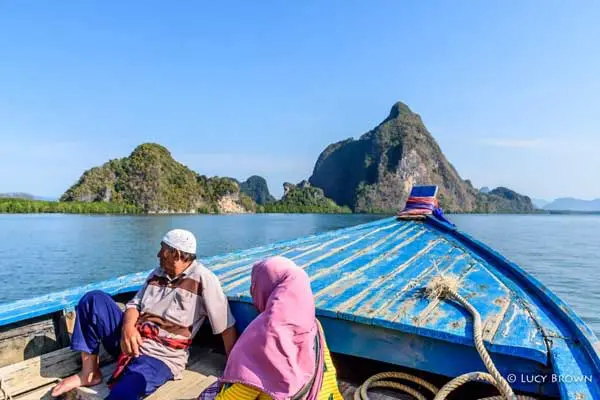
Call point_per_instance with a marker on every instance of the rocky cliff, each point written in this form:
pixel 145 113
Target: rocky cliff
pixel 376 172
pixel 256 188
pixel 503 200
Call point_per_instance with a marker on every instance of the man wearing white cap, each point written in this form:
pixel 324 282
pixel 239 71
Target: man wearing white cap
pixel 151 339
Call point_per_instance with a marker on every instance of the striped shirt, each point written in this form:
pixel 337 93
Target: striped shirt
pixel 178 307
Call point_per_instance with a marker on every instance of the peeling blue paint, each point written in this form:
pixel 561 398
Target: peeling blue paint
pixel 368 283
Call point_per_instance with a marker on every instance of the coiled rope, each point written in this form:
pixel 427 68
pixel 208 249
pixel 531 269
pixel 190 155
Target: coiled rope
pixel 441 287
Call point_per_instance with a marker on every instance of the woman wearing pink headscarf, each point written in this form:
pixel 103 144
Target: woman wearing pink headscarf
pixel 282 354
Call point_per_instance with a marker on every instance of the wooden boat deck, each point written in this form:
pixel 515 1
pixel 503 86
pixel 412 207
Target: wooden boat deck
pixel 203 368
pixel 368 282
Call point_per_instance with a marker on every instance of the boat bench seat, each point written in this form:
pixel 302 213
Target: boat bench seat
pixel 203 368
pixel 34 379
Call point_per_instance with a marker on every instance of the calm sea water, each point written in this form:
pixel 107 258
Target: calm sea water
pixel 44 253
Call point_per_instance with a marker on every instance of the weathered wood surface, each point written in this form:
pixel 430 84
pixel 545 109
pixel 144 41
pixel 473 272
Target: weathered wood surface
pixel 42 393
pixel 203 369
pixel 25 340
pixel 189 387
pixel 39 371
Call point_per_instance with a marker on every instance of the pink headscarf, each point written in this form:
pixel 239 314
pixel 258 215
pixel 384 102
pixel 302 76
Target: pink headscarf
pixel 276 352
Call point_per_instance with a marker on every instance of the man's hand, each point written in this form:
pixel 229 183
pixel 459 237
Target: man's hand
pixel 131 340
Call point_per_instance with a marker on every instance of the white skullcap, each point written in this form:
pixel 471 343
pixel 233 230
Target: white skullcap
pixel 181 239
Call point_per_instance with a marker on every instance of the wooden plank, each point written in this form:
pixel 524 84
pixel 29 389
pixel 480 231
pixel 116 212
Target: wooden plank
pixel 62 321
pixel 29 328
pixel 206 362
pixel 346 388
pixel 22 340
pixel 35 372
pixel 368 280
pixel 492 323
pixel 343 249
pixel 39 371
pixel 203 367
pixel 42 393
pixel 69 319
pixel 189 387
pixel 97 392
pixel 553 311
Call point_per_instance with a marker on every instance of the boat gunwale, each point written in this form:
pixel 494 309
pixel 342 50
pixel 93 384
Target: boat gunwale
pixel 582 332
pixel 65 300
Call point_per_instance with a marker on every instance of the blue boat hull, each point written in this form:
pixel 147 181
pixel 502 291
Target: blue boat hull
pixel 368 282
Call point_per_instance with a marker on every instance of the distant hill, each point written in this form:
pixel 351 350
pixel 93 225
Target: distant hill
pixel 504 200
pixel 303 198
pixel 376 172
pixel 540 203
pixel 572 204
pixel 26 196
pixel 485 190
pixel 256 188
pixel 17 195
pixel 150 179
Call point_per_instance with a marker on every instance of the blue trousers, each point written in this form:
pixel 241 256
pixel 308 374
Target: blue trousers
pixel 99 320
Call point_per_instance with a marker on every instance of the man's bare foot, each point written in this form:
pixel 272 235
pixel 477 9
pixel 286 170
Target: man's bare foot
pixel 75 381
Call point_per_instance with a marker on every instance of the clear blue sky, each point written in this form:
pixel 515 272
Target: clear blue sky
pixel 510 89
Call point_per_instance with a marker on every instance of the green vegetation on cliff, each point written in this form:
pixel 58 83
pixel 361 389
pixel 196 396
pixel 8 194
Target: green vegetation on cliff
pixel 151 180
pixel 256 188
pixel 503 200
pixel 372 174
pixel 303 198
pixel 21 206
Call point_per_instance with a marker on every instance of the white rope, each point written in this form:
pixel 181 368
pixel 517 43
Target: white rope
pixel 378 381
pixel 441 287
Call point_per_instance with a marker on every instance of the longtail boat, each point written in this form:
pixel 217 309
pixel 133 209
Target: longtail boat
pixel 370 285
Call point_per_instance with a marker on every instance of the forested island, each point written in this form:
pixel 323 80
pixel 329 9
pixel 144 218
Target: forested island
pixel 372 174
